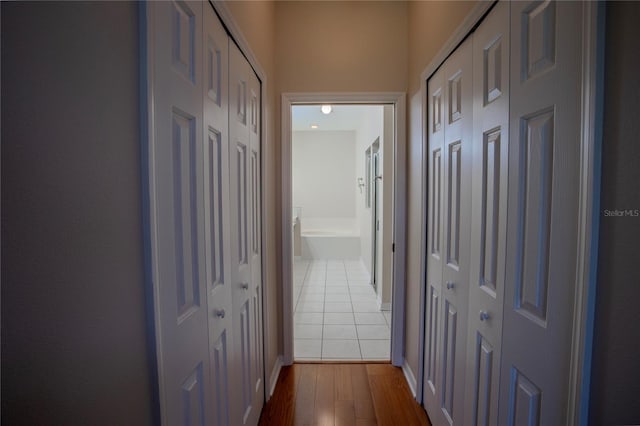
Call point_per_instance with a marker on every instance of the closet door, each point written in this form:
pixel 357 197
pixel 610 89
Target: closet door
pixel 544 155
pixel 489 214
pixel 450 132
pixel 246 306
pixel 432 359
pixel 458 126
pixel 255 174
pixel 217 234
pixel 177 213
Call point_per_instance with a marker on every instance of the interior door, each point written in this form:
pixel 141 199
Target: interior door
pixel 379 226
pixel 246 306
pixel 544 155
pixel 217 235
pixel 489 214
pixel 256 239
pixel 450 132
pixel 375 216
pixel 177 210
pixel 435 135
pixel 458 126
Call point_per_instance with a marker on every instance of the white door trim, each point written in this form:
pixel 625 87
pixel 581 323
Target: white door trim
pixel 588 228
pixel 399 214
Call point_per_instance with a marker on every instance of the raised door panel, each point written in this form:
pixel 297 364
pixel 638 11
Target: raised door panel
pixel 542 207
pixel 217 233
pixel 255 249
pixel 489 220
pixel 457 148
pixel 435 255
pixel 245 252
pixel 177 212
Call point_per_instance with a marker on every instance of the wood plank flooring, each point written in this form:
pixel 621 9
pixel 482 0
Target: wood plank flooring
pixel 342 395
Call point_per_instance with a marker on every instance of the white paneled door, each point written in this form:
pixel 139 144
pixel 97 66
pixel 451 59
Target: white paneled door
pixel 205 178
pixel 458 125
pixel 544 176
pixel 503 215
pixel 244 163
pixel 217 216
pixel 450 180
pixel 178 176
pixel 432 357
pixel 489 214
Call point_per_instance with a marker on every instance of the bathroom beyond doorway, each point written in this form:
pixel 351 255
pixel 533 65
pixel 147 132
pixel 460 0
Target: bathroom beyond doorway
pixel 342 193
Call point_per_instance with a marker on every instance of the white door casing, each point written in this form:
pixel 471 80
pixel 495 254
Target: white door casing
pixel 177 209
pixel 543 211
pixel 216 215
pixel 398 102
pixel 489 215
pixel 247 320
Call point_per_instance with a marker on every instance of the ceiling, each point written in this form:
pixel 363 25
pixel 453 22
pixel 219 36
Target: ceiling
pixel 342 117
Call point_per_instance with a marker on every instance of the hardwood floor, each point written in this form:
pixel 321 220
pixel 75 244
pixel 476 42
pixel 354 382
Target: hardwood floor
pixel 342 394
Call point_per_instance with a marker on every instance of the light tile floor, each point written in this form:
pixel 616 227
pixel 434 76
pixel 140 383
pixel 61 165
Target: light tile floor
pixel 336 315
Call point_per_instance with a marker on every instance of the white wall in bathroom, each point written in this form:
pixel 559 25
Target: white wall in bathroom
pixel 324 178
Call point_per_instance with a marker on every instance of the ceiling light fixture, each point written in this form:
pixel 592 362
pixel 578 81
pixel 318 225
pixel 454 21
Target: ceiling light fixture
pixel 314 126
pixel 326 109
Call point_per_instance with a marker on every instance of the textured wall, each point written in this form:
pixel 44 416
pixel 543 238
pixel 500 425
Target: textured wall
pixel 615 384
pixel 74 348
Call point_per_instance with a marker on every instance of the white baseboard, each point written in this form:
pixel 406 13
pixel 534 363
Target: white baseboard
pixel 411 378
pixel 385 306
pixel 275 373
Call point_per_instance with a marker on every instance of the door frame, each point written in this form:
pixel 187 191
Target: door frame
pixel 147 137
pixel 398 100
pixel 375 166
pixel 592 97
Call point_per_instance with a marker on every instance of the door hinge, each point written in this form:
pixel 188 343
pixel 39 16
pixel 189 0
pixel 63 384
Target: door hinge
pixel 393 247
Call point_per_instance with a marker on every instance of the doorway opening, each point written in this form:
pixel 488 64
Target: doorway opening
pixel 330 263
pixel 342 238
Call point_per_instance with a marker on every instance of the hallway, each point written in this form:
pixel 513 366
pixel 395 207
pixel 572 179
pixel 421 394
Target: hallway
pixel 146 151
pixel 342 394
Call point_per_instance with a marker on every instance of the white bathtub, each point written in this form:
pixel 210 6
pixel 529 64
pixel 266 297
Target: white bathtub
pixel 330 244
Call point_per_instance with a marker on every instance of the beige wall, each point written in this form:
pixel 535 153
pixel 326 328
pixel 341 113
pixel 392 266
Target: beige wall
pixel 341 46
pixel 431 24
pixel 256 20
pixel 75 347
